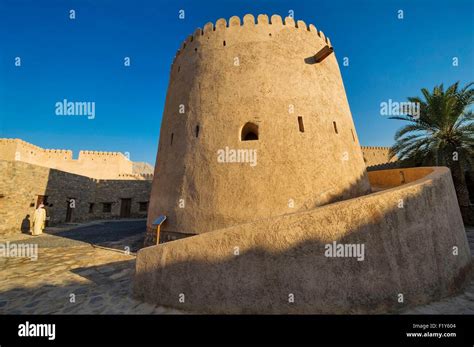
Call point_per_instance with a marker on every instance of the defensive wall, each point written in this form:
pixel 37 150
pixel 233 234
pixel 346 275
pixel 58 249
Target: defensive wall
pixel 22 184
pixel 412 231
pixel 94 164
pixel 376 156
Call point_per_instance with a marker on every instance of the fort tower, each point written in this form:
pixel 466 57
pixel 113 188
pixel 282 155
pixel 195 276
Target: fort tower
pixel 268 86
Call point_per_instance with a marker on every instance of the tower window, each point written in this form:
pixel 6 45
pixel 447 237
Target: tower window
pixel 300 124
pixel 335 127
pixel 172 135
pixel 249 132
pixel 224 43
pixel 197 130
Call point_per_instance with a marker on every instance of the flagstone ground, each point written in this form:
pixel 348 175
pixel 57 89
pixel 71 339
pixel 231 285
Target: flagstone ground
pixel 90 263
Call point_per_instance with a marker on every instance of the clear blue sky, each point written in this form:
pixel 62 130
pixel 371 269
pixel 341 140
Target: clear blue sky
pixel 82 60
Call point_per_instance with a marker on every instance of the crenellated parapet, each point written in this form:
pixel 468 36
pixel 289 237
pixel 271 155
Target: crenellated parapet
pixel 93 164
pixel 142 177
pixel 268 27
pixel 381 148
pixel 101 154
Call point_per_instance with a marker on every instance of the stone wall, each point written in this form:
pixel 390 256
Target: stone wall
pixel 21 184
pixel 376 156
pixel 409 232
pixel 95 164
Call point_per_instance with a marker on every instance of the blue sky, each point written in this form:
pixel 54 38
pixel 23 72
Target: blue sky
pixel 82 59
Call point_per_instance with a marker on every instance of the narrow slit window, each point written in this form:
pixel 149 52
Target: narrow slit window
pixel 335 127
pixel 172 135
pixel 300 124
pixel 197 130
pixel 224 43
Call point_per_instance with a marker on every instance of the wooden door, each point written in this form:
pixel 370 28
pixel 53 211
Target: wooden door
pixel 125 208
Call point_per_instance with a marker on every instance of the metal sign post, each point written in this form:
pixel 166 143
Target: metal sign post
pixel 157 223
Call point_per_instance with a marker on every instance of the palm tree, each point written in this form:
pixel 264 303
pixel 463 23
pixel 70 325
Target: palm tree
pixel 441 134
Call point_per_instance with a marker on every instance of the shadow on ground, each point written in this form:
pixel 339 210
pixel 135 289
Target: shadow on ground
pixel 108 292
pixel 110 234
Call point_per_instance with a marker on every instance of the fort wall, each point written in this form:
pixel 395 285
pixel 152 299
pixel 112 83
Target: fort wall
pixel 257 267
pixel 376 155
pixel 22 183
pixel 94 164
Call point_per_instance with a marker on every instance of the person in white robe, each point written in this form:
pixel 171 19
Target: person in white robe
pixel 39 219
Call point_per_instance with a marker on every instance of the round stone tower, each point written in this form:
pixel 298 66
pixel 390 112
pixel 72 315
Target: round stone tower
pixel 256 124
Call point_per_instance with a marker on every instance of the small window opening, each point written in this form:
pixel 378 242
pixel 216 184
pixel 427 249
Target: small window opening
pixel 402 177
pixel 300 124
pixel 224 43
pixel 335 127
pixel 179 68
pixel 249 132
pixel 195 49
pixel 270 34
pixel 197 130
pixel 172 135
pixel 107 207
pixel 143 206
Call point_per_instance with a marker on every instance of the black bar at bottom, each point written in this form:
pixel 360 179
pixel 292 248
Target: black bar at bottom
pixel 309 329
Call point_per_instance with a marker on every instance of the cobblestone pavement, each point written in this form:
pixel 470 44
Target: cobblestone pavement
pixel 97 275
pixel 88 263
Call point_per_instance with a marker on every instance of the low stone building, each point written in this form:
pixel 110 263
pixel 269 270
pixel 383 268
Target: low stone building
pixel 68 197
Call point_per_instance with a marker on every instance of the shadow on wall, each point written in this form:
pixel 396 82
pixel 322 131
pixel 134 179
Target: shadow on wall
pixel 280 265
pixel 168 228
pixel 26 225
pixel 27 185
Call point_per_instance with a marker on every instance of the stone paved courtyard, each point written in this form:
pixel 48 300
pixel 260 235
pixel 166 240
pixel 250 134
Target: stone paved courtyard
pixel 89 262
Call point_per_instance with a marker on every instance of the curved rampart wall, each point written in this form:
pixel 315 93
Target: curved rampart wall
pixel 409 232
